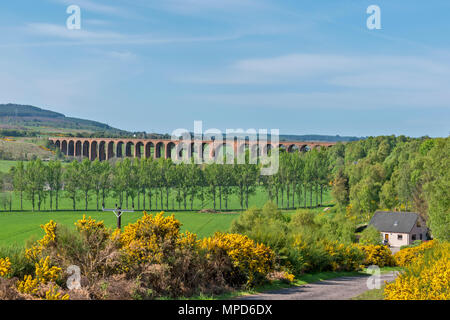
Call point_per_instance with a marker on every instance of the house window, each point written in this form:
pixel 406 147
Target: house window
pixel 399 237
pixel 420 236
pixel 413 237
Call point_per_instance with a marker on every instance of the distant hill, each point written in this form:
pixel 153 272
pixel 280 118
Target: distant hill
pixel 15 117
pixel 318 137
pixel 26 120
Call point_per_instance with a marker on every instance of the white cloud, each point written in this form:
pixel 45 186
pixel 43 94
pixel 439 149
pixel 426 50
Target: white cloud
pixel 97 7
pixel 59 35
pixel 323 100
pixel 201 6
pixel 401 72
pixel 60 31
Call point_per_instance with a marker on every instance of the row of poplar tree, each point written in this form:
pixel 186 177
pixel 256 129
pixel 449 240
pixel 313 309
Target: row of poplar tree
pixel 300 181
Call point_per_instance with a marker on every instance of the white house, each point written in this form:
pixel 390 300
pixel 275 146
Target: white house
pixel 399 228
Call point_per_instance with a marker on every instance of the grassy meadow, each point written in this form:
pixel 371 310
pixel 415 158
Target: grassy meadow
pixel 19 226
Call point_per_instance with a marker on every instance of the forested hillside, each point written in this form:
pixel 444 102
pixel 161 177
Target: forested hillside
pixel 395 173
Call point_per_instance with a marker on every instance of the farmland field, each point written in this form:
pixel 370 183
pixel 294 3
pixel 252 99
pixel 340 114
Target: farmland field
pixel 5 165
pixel 18 227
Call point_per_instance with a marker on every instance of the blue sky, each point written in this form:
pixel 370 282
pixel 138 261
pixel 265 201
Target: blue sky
pixel 304 67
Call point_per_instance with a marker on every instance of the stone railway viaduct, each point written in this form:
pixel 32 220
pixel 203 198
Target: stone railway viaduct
pixel 108 148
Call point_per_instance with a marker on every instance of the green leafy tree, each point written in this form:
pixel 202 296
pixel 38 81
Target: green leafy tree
pixel 54 179
pixel 72 182
pixel 35 182
pixel 370 236
pixel 19 180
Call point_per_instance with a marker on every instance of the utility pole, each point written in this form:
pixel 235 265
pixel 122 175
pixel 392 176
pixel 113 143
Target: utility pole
pixel 118 212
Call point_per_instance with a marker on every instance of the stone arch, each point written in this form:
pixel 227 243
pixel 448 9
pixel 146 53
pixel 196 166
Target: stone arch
pixel 169 150
pixel 138 149
pixel 119 149
pixel 102 151
pixel 110 153
pixel 148 149
pixel 184 150
pixel 71 148
pixel 64 147
pixel 206 148
pixel 58 144
pixel 293 148
pixel 160 149
pixel 86 148
pixel 282 147
pixel 78 149
pixel 267 148
pixel 304 148
pixel 94 146
pixel 128 149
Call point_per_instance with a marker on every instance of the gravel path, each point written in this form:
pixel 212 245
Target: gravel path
pixel 342 288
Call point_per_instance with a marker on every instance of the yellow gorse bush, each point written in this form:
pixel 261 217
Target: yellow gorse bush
pixel 5 266
pixel 89 224
pixel 427 277
pixel 143 240
pixel 378 255
pixel 54 294
pixel 289 276
pixel 407 255
pixel 44 273
pixel 252 259
pixel 35 251
pixel 344 257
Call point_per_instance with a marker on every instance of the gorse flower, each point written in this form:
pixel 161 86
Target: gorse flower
pixel 378 255
pixel 5 266
pixel 426 277
pixel 35 251
pixel 44 273
pixel 255 260
pixel 407 255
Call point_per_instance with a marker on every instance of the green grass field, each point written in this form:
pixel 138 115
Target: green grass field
pixel 18 227
pixel 5 165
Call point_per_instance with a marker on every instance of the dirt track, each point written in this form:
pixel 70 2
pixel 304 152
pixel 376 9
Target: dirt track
pixel 342 288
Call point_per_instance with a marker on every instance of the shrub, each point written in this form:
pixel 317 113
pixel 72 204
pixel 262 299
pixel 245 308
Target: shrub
pixel 407 255
pixel 378 255
pixel 344 257
pixel 427 277
pixel 251 261
pixel 415 243
pixel 19 264
pixel 43 284
pixel 370 236
pixel 148 240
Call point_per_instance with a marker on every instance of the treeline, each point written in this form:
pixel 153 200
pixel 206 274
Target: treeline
pixel 395 173
pixel 152 182
pixel 18 133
